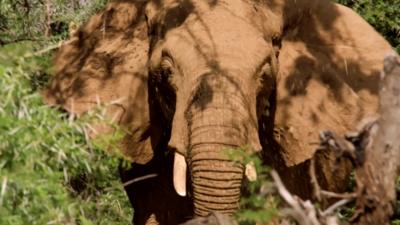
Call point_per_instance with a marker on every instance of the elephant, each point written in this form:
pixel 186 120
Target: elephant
pixel 186 79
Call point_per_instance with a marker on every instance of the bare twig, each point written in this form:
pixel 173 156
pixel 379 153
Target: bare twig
pixel 330 194
pixel 50 48
pixel 137 179
pixel 47 31
pixel 2 42
pixel 27 7
pixel 314 181
pixel 303 212
pixel 3 189
pixel 341 146
pixel 331 209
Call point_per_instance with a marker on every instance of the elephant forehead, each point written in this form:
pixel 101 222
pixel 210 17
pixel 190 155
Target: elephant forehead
pixel 220 39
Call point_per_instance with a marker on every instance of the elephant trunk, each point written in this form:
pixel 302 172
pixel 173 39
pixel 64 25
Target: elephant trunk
pixel 216 178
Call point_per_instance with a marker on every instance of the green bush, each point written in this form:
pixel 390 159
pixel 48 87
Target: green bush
pixel 49 173
pixel 29 19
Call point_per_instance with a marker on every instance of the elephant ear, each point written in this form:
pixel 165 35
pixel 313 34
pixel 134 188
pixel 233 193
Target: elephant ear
pixel 329 67
pixel 105 63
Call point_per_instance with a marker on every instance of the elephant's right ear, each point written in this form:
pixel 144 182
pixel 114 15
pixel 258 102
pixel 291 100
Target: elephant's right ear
pixel 105 62
pixel 329 66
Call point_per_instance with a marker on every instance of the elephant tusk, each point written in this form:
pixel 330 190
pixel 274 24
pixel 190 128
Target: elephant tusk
pixel 179 175
pixel 250 172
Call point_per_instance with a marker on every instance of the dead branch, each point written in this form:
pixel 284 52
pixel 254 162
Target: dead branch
pixel 331 209
pixel 27 6
pixel 2 42
pixel 314 181
pixel 50 48
pixel 376 176
pixel 304 212
pixel 340 146
pixel 47 31
pixel 330 194
pixel 341 149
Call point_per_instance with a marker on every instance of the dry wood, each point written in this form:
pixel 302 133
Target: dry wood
pixel 49 48
pixel 340 148
pixel 376 177
pixel 304 212
pixel 47 31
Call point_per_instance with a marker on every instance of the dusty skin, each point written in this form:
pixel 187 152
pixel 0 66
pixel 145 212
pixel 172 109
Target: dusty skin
pixel 193 77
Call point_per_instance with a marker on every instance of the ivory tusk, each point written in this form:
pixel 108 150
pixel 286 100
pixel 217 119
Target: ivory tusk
pixel 179 176
pixel 250 172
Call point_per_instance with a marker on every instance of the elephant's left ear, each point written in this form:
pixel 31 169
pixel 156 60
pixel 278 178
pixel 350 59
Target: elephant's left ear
pixel 329 68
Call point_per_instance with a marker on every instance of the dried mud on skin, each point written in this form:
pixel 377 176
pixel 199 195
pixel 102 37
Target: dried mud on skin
pixel 322 82
pixel 327 73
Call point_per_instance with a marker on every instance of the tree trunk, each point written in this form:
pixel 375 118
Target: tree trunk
pixel 376 177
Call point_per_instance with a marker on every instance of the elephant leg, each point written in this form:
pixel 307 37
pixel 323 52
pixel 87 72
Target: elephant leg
pixel 152 194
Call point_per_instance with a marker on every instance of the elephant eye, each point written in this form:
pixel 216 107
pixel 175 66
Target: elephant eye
pixel 166 63
pixel 167 71
pixel 165 88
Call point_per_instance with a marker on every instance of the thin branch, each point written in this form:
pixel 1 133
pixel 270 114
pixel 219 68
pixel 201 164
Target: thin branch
pixel 303 212
pixel 329 141
pixel 332 208
pixel 2 42
pixel 330 194
pixel 314 181
pixel 28 7
pixel 47 31
pixel 50 48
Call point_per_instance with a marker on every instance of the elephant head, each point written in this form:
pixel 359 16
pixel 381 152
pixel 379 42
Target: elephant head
pixel 209 63
pixel 198 77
